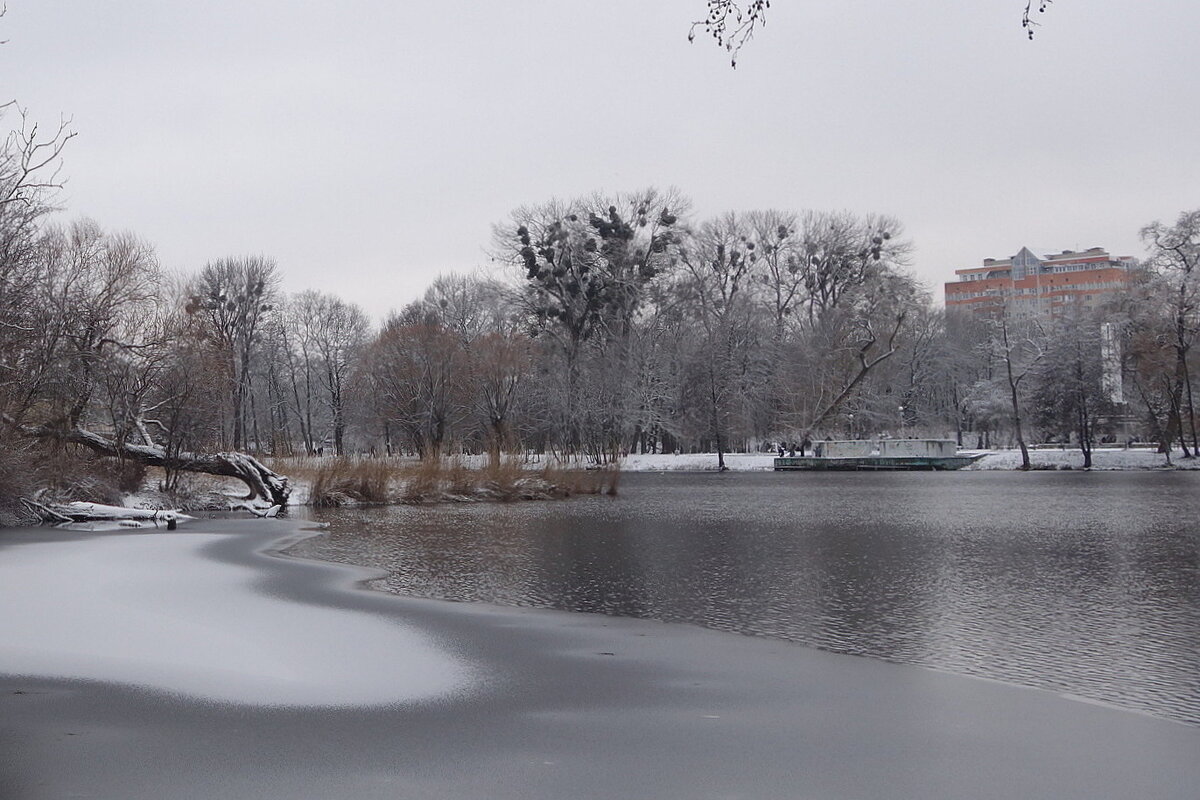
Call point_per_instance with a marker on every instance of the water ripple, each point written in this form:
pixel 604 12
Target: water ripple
pixel 1086 584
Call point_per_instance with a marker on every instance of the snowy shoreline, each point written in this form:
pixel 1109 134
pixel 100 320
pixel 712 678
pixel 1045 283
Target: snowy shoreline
pixel 1049 459
pixel 1107 459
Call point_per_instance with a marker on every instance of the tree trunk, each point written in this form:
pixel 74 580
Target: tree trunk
pixel 262 482
pixel 1187 382
pixel 715 399
pixel 1085 434
pixel 1016 416
pixel 1175 423
pixel 499 439
pixel 1013 383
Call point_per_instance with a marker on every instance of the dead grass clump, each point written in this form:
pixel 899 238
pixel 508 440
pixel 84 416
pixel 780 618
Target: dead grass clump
pixel 422 482
pixel 503 480
pixel 372 481
pixel 566 482
pixel 338 481
pixel 459 480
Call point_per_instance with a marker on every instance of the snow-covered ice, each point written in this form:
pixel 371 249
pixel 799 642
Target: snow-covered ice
pixel 152 610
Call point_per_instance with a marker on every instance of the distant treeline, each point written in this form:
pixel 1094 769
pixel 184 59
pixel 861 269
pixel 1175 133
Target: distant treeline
pixel 621 324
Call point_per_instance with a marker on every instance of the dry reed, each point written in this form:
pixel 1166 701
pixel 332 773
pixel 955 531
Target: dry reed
pixel 337 481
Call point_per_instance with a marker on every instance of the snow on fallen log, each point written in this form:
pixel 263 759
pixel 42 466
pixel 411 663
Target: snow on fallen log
pixel 98 512
pixel 257 508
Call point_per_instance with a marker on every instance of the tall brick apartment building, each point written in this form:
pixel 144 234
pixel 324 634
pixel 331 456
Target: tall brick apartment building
pixel 1039 285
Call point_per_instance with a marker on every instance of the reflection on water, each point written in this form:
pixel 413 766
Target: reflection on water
pixel 1086 583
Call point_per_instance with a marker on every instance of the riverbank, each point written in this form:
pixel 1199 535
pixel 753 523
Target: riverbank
pixel 1102 459
pixel 335 481
pixel 294 684
pixel 322 483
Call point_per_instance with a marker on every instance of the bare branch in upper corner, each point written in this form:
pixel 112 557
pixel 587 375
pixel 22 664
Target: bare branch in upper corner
pixel 1027 20
pixel 732 24
pixel 29 160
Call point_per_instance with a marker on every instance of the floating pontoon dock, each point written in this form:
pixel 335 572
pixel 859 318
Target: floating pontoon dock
pixel 863 454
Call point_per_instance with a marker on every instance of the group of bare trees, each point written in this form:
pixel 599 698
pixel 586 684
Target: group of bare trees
pixel 1119 370
pixel 1161 319
pixel 660 332
pixel 101 353
pixel 620 323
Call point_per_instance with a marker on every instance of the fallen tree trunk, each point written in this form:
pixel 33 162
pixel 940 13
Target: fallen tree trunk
pixel 262 482
pixel 93 512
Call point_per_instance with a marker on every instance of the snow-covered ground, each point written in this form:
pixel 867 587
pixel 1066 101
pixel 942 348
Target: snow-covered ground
pixel 695 462
pixel 155 610
pixel 1102 459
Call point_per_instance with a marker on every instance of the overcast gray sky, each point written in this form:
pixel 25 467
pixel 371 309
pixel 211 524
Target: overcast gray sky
pixel 369 146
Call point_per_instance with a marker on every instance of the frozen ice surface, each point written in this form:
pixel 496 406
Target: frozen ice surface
pixel 154 611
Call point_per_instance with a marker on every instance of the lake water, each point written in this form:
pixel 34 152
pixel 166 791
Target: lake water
pixel 1082 583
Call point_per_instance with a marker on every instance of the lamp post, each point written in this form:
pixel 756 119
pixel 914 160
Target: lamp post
pixel 901 410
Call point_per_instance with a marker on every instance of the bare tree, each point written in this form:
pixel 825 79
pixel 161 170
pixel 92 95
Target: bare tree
pixel 778 270
pixel 421 375
pixel 1068 392
pixel 29 169
pixel 234 296
pixel 501 365
pixel 852 315
pixel 341 332
pixel 30 161
pixel 716 284
pixel 586 267
pixel 99 358
pixel 469 306
pixel 1149 317
pixel 1021 346
pixel 298 323
pixel 857 338
pixel 1175 257
pixel 959 361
